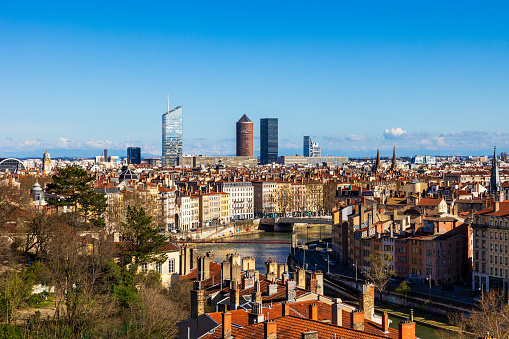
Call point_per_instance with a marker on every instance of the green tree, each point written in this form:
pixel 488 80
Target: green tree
pixel 15 291
pixel 403 290
pixel 144 243
pixel 73 185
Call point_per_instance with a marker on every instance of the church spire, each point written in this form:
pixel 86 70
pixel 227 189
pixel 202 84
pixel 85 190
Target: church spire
pixel 495 187
pixel 394 166
pixel 377 165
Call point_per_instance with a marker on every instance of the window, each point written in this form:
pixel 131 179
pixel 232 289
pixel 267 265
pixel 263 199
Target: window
pixel 171 266
pixel 144 267
pixel 491 259
pixel 158 268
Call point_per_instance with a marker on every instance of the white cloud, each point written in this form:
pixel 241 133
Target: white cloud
pixel 355 137
pixel 100 143
pixel 394 133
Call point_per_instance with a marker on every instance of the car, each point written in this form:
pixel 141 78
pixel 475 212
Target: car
pixel 409 282
pixel 332 263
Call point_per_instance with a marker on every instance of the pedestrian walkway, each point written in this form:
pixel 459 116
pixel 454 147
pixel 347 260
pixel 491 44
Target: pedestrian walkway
pixel 420 317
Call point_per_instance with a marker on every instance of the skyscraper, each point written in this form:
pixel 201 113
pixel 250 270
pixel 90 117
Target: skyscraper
pixel 311 149
pixel 244 137
pixel 172 136
pixel 134 155
pixel 268 140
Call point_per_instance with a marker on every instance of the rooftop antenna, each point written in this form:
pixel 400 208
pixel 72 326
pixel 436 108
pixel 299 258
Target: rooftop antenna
pixel 168 101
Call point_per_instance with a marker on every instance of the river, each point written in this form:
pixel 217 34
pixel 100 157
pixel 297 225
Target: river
pixel 279 253
pixel 264 252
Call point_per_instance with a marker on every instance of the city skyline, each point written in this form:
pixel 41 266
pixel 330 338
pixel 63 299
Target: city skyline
pixel 356 77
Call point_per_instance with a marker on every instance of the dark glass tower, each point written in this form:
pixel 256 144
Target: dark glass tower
pixel 268 140
pixel 134 155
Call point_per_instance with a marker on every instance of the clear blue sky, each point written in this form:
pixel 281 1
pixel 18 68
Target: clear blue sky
pixel 431 77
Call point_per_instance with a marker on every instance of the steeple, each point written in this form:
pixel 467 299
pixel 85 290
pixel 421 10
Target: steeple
pixel 394 166
pixel 495 187
pixel 377 165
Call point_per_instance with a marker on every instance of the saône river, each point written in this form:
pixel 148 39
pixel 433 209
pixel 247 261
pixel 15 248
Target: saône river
pixel 279 253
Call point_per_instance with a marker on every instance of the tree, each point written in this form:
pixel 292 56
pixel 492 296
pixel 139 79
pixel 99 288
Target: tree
pixel 74 187
pixel 403 290
pixel 380 271
pixel 15 290
pixel 144 242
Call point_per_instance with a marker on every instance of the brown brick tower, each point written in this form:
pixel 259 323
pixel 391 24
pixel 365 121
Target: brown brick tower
pixel 244 137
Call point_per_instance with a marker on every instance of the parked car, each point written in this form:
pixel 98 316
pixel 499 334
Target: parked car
pixel 409 282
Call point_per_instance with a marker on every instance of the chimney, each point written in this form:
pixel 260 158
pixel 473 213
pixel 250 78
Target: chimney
pixel 271 276
pixel 256 315
pixel 367 300
pixel 270 329
pixel 300 276
pixel 285 309
pixel 283 268
pixel 406 330
pixel 248 263
pixel 225 272
pixel 247 282
pixel 385 323
pixel 227 325
pixel 412 315
pixel 272 289
pixel 357 320
pixel 234 295
pixel 496 206
pixel 313 312
pixel 285 278
pixel 337 312
pixel 256 296
pixel 235 273
pixel 197 300
pixel 185 260
pixel 203 268
pixel 310 335
pixel 291 290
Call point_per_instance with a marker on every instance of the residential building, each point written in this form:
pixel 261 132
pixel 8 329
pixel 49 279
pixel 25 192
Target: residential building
pixel 172 136
pixel 268 140
pixel 241 195
pixel 265 197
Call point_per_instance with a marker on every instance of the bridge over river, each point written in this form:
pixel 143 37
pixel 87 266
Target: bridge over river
pixel 237 241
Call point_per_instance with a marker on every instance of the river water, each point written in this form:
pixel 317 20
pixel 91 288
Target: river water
pixel 264 252
pixel 279 253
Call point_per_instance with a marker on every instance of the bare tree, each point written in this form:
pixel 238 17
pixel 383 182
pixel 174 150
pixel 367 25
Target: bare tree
pixel 380 271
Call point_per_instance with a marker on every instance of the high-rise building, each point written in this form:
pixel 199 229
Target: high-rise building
pixel 172 136
pixel 244 137
pixel 503 156
pixel 105 155
pixel 311 149
pixel 134 155
pixel 268 140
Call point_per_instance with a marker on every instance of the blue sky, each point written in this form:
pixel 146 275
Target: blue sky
pixel 431 77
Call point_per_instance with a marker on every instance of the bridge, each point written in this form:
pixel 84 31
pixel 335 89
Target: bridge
pixel 287 224
pixel 233 241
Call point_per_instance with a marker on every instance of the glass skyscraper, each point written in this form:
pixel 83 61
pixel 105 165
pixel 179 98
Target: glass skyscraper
pixel 172 136
pixel 134 155
pixel 268 141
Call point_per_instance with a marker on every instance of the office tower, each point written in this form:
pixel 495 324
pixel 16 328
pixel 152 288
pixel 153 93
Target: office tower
pixel 503 156
pixel 105 155
pixel 172 136
pixel 244 137
pixel 134 155
pixel 311 149
pixel 268 140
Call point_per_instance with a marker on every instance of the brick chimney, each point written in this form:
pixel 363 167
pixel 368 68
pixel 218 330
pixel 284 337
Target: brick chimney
pixel 197 300
pixel 256 296
pixel 270 329
pixel 406 330
pixel 313 311
pixel 357 319
pixel 385 323
pixel 367 300
pixel 234 295
pixel 227 325
pixel 337 312
pixel 285 309
pixel 309 335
